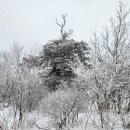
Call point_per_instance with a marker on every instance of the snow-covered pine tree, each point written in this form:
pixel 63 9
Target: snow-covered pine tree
pixel 58 57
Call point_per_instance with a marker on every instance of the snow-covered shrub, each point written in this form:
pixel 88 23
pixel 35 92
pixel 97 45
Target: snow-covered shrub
pixel 63 106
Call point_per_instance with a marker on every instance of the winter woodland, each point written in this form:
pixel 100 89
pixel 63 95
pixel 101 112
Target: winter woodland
pixel 69 84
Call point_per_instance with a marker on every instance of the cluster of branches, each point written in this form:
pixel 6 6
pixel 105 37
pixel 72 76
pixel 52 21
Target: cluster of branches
pixel 111 52
pixel 20 87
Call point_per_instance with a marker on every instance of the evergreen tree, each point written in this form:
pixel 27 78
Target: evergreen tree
pixel 58 58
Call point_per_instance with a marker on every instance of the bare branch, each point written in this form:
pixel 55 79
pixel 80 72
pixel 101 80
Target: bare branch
pixel 64 34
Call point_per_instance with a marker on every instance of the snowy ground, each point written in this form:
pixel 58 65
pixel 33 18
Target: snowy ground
pixel 88 121
pixel 31 122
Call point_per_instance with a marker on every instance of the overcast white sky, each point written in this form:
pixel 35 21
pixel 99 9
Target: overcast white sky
pixel 31 21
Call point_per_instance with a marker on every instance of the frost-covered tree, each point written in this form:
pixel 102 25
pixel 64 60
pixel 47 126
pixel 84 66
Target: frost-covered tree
pixel 20 87
pixel 58 57
pixel 112 63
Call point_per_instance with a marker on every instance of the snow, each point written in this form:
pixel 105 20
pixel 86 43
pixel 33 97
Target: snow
pixel 30 122
pixel 86 121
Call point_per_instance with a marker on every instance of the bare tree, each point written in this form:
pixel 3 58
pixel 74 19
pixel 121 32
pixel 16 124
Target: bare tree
pixel 64 34
pixel 112 66
pixel 22 89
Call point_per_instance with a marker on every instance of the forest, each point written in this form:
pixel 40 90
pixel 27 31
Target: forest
pixel 69 84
